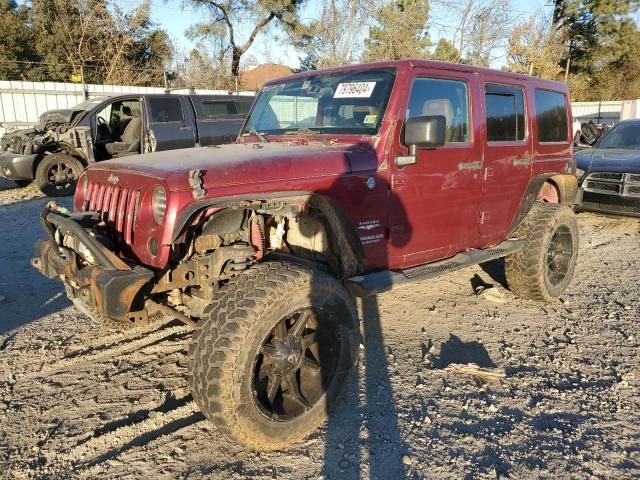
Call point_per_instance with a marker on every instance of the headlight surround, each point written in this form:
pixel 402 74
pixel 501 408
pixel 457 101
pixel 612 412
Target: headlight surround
pixel 85 187
pixel 580 173
pixel 159 203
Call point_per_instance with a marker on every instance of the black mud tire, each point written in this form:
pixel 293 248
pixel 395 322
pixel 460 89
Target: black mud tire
pixel 23 183
pixel 228 348
pixel 57 174
pixel 543 269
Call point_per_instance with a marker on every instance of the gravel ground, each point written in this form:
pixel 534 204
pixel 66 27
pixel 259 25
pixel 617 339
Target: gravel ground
pixel 78 401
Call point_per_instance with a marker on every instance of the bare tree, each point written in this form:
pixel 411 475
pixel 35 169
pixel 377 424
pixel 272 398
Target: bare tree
pixel 336 36
pixel 476 27
pixel 231 14
pixel 536 47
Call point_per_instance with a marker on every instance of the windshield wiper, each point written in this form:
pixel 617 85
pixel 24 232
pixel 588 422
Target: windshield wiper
pixel 261 136
pixel 314 134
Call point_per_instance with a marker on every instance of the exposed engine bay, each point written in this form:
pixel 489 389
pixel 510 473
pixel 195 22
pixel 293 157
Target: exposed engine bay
pixel 230 241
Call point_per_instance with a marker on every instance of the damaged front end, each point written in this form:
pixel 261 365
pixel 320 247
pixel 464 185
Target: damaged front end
pixel 56 132
pixel 95 278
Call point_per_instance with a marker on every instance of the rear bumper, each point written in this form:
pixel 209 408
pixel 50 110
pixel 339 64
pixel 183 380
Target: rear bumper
pixel 106 285
pixel 611 204
pixel 16 167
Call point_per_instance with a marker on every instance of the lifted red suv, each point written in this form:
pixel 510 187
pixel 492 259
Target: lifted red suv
pixel 343 182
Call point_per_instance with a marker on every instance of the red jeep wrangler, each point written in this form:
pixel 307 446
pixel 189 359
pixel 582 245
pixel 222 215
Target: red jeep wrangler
pixel 343 182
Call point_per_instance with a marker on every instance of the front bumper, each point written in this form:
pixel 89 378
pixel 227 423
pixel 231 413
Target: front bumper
pixel 16 167
pixel 92 275
pixel 611 204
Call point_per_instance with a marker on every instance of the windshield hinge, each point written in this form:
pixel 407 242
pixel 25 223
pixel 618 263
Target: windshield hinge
pixel 195 181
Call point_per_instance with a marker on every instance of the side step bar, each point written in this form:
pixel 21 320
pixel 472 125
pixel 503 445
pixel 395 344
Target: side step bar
pixel 377 282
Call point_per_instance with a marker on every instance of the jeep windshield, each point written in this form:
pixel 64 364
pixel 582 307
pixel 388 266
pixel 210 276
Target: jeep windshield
pixel 342 102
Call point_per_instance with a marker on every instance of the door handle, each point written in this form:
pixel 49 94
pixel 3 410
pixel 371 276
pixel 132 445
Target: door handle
pixel 522 161
pixel 477 165
pixel 185 127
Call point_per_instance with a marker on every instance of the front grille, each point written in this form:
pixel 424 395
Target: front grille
pixel 634 178
pixel 606 176
pixel 603 187
pixel 118 207
pixel 633 190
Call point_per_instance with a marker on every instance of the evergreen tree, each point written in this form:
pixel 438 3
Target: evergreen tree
pixel 400 31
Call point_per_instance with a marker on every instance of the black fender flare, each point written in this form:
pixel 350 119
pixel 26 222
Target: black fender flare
pixel 566 185
pixel 342 233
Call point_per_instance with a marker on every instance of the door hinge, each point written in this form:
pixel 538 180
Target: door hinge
pixel 488 172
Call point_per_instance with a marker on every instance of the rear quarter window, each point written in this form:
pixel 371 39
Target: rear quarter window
pixel 218 108
pixel 243 107
pixel 551 116
pixel 165 109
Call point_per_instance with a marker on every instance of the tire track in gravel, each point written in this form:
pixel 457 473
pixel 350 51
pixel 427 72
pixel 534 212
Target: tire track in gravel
pixel 102 352
pixel 114 442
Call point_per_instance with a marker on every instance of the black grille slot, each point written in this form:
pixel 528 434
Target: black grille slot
pixel 604 187
pixel 606 176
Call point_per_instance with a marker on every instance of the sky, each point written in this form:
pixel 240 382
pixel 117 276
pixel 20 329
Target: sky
pixel 176 16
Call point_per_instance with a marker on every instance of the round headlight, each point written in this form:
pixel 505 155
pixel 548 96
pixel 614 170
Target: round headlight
pixel 159 203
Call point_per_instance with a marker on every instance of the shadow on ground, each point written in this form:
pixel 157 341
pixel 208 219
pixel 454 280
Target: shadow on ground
pixel 24 293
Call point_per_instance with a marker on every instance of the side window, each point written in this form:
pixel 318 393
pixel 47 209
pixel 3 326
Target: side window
pixel 449 98
pixel 165 109
pixel 551 116
pixel 243 106
pixel 505 113
pixel 214 109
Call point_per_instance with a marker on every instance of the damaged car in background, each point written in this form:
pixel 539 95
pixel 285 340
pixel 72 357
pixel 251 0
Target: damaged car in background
pixel 53 153
pixel 609 172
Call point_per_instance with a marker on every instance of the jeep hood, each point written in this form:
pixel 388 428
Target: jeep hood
pixel 236 164
pixel 620 160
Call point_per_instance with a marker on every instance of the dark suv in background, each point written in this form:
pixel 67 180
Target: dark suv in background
pixel 55 152
pixel 609 172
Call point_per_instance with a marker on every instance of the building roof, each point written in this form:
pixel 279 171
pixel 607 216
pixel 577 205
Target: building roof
pixel 259 75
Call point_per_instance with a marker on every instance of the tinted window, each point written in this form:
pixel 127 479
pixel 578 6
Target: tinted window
pixel 505 113
pixel 623 135
pixel 218 108
pixel 449 98
pixel 551 116
pixel 165 109
pixel 243 107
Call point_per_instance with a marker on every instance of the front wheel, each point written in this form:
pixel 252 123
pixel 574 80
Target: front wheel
pixel 57 174
pixel 273 354
pixel 543 269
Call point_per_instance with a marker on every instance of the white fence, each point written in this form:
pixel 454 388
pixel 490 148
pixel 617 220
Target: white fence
pixel 21 103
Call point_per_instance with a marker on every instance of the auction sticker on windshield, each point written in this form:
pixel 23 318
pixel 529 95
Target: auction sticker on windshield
pixel 354 90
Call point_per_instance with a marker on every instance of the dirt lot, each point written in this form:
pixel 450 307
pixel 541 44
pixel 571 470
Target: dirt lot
pixel 79 401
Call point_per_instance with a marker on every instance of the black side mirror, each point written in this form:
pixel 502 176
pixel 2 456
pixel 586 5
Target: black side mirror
pixel 427 131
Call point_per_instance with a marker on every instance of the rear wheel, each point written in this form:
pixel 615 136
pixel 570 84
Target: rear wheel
pixel 543 269
pixel 57 174
pixel 273 354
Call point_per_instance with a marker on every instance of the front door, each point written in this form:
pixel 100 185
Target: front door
pixel 507 155
pixel 434 204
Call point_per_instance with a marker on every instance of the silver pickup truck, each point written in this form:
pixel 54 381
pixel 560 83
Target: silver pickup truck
pixel 54 153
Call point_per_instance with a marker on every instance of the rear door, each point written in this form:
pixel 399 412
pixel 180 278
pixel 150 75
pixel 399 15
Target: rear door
pixel 170 122
pixel 434 204
pixel 507 155
pixel 218 120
